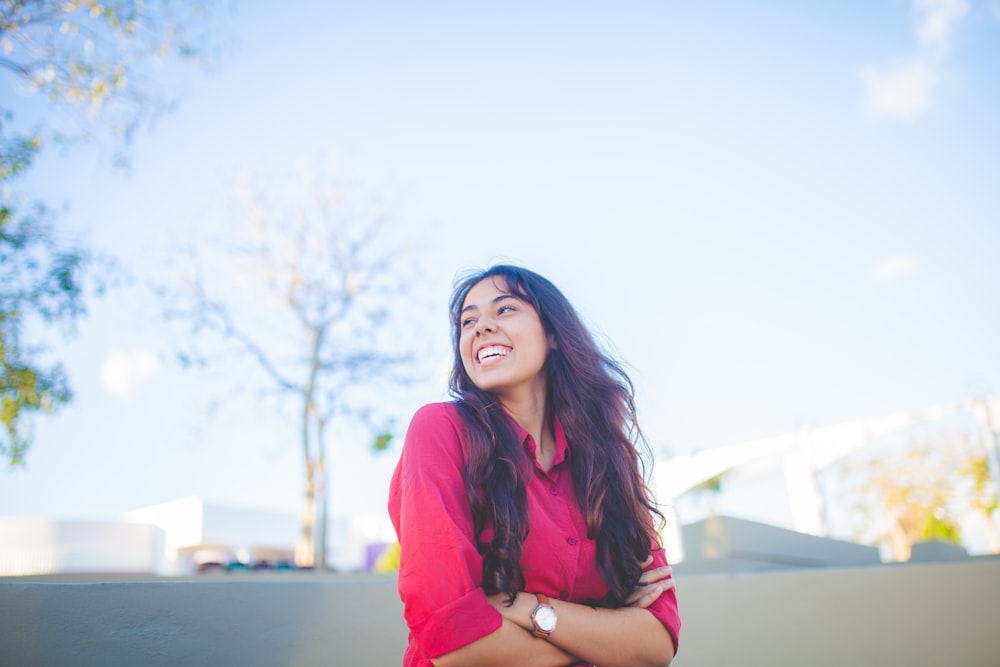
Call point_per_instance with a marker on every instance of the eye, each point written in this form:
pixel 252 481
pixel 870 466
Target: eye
pixel 467 322
pixel 505 308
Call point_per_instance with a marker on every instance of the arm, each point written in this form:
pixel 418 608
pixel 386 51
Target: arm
pixel 623 637
pixel 510 645
pixel 514 642
pixel 627 636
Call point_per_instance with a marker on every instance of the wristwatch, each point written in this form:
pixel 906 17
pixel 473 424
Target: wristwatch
pixel 544 617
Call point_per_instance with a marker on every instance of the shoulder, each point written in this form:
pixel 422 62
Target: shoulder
pixel 436 426
pixel 429 477
pixel 435 416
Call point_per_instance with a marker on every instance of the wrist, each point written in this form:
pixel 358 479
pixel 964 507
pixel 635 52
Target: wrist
pixel 523 607
pixel 543 617
pixel 519 611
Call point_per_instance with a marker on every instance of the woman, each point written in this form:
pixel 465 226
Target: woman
pixel 525 528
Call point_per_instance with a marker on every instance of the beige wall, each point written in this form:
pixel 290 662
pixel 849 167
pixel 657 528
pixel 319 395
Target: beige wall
pixel 929 615
pixel 945 614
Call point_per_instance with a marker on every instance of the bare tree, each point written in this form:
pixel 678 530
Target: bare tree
pixel 306 288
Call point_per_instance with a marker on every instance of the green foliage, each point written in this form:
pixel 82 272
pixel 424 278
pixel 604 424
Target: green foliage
pixel 382 441
pixel 940 526
pixel 91 60
pixel 920 491
pixel 983 494
pixel 38 280
pixel 16 152
pixel 710 485
pixel 23 390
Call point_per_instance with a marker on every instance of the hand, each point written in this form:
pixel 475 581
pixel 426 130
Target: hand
pixel 651 585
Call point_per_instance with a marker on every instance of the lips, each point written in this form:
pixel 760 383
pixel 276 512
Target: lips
pixel 492 352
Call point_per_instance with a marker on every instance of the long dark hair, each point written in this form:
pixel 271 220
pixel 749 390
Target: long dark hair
pixel 594 400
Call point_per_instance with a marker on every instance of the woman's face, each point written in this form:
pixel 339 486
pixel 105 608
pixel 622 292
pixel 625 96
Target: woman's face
pixel 503 344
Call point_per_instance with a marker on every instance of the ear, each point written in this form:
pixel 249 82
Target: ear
pixel 552 341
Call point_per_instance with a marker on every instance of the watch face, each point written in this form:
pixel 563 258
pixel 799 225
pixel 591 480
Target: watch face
pixel 546 618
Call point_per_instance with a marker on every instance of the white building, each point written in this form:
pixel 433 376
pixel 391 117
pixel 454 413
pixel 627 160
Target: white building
pixel 179 537
pixel 43 546
pixel 780 480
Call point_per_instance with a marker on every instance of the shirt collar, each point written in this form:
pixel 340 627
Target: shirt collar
pixel 562 446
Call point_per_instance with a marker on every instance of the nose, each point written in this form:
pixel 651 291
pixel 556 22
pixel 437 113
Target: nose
pixel 485 325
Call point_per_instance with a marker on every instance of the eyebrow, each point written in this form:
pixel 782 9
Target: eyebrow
pixel 495 300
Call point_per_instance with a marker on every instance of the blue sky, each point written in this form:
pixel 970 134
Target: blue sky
pixel 779 214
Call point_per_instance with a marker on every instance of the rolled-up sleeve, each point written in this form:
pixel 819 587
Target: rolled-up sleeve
pixel 665 607
pixel 440 568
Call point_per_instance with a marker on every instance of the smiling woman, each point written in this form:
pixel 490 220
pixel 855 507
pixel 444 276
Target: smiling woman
pixel 502 343
pixel 525 527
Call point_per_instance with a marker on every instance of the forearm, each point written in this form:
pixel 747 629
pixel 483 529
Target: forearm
pixel 509 645
pixel 624 637
pixel 611 637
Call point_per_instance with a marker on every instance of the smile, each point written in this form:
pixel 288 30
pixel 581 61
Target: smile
pixel 492 352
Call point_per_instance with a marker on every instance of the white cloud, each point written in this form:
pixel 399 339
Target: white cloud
pixel 121 372
pixel 894 268
pixel 937 21
pixel 904 89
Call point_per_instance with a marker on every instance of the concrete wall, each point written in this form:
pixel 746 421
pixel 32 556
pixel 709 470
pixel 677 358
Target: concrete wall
pixel 927 615
pixel 723 544
pixel 884 615
pixel 296 620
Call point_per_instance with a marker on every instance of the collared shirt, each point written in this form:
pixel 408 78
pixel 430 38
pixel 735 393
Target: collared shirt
pixel 440 567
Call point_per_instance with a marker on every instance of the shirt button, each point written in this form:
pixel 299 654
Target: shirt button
pixel 554 491
pixel 571 541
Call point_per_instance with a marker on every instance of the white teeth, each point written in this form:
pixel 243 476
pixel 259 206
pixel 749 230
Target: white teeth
pixel 493 351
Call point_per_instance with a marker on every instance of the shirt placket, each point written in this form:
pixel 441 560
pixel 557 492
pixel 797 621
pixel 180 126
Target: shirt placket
pixel 569 546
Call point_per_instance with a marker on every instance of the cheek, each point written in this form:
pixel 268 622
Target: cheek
pixel 467 364
pixel 465 351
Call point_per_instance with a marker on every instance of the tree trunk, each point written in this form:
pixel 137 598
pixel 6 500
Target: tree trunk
pixel 315 473
pixel 991 531
pixel 323 491
pixel 901 545
pixel 304 550
pixel 323 517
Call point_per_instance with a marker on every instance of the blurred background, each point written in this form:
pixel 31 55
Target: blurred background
pixel 230 231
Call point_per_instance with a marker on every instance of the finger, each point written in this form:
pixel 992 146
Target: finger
pixel 646 590
pixel 648 597
pixel 655 575
pixel 649 561
pixel 658 572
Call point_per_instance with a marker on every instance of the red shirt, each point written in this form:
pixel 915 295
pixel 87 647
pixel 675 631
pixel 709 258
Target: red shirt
pixel 441 569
